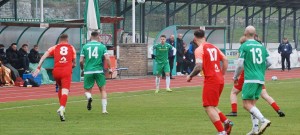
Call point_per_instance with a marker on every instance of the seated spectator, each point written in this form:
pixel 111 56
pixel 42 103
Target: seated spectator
pixel 5 62
pixel 13 57
pixel 34 58
pixel 23 57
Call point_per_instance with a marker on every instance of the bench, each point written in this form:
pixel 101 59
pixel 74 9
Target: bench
pixel 119 71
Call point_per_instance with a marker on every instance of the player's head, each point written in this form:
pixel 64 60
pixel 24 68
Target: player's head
pixel 243 39
pixel 36 48
pixel 25 47
pixel 162 39
pixel 63 38
pixel 199 34
pixel 95 36
pixel 250 32
pixel 285 40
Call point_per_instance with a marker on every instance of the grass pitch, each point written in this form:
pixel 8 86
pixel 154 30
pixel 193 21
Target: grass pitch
pixel 145 113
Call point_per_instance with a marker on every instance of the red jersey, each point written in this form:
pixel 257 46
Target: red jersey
pixel 63 54
pixel 210 56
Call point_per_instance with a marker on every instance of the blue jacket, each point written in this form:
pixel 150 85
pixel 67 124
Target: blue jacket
pixel 285 48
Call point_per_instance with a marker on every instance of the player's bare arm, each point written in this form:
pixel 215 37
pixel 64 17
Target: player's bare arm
pixel 197 69
pixel 107 59
pixel 73 63
pixel 224 64
pixel 37 70
pixel 81 61
pixel 238 69
pixel 268 62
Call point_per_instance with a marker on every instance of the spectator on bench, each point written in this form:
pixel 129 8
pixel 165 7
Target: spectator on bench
pixel 10 57
pixel 23 57
pixel 34 58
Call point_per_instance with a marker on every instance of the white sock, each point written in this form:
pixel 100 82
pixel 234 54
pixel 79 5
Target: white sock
pixel 222 133
pixel 254 111
pixel 104 104
pixel 61 108
pixel 168 81
pixel 255 123
pixel 157 81
pixel 88 95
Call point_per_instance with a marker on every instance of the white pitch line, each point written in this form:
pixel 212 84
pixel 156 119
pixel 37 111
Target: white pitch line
pixel 29 106
pixel 19 107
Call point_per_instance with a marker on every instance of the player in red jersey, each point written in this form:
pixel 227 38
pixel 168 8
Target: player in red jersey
pixel 208 58
pixel 237 88
pixel 64 60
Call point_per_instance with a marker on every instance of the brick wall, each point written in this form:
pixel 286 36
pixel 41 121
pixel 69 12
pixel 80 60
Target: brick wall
pixel 134 56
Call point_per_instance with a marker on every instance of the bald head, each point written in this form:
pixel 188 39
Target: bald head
pixel 179 36
pixel 250 32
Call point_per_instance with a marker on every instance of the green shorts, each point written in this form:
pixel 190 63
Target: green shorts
pixel 89 80
pixel 251 91
pixel 162 67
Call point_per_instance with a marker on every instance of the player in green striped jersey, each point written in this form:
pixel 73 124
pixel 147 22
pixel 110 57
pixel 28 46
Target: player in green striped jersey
pixel 92 64
pixel 254 58
pixel 162 61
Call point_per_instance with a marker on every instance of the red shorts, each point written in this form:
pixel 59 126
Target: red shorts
pixel 63 80
pixel 240 84
pixel 211 93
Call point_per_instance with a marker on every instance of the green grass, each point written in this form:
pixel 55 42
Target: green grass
pixel 144 113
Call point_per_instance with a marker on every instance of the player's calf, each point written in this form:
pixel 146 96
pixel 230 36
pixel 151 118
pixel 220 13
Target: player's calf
pixel 89 104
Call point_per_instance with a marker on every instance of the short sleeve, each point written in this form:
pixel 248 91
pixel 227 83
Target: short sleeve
pixel 82 52
pixel 51 50
pixel 199 54
pixel 267 54
pixel 221 54
pixel 241 52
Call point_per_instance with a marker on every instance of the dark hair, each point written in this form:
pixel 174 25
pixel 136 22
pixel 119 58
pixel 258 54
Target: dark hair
pixel 1 45
pixel 63 37
pixel 163 36
pixel 35 46
pixel 95 34
pixel 24 45
pixel 199 33
pixel 13 44
pixel 285 38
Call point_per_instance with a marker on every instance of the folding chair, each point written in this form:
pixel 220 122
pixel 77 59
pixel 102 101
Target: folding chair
pixel 121 69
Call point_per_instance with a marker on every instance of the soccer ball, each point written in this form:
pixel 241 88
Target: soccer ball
pixel 274 78
pixel 141 1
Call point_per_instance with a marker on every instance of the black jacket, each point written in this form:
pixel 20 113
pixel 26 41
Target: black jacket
pixel 171 50
pixel 22 53
pixel 13 57
pixel 3 57
pixel 180 50
pixel 285 48
pixel 34 56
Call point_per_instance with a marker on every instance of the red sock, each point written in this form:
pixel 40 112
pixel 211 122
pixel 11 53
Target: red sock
pixel 59 94
pixel 63 100
pixel 275 106
pixel 219 126
pixel 222 117
pixel 234 107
